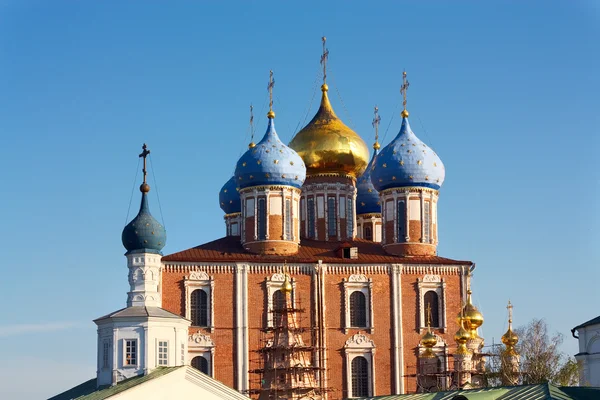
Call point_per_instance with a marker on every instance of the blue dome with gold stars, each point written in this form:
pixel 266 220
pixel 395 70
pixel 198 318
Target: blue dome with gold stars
pixel 270 162
pixel 367 198
pixel 407 161
pixel 144 233
pixel 229 198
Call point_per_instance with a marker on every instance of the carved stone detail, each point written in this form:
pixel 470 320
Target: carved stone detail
pixel 198 276
pixel 199 339
pixel 357 278
pixel 359 340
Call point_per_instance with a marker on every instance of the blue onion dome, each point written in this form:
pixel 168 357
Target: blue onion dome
pixel 367 198
pixel 229 198
pixel 407 161
pixel 270 162
pixel 144 233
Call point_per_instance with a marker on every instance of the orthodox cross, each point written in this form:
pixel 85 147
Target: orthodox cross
pixel 428 311
pixel 376 121
pixel 404 88
pixel 509 307
pixel 270 89
pixel 324 57
pixel 144 154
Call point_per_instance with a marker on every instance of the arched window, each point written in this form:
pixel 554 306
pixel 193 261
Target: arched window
pixel 331 217
pixel 358 310
pixel 360 377
pixel 199 308
pixel 201 364
pixel 278 307
pixel 262 218
pixel 431 299
pixel 368 233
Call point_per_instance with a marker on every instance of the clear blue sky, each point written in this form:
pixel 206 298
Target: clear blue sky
pixel 506 92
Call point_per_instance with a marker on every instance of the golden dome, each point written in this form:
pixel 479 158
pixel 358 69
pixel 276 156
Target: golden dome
pixel 428 340
pixel 462 336
pixel 328 146
pixel 472 317
pixel 286 287
pixel 510 338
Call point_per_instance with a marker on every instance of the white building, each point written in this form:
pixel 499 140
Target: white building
pixel 588 357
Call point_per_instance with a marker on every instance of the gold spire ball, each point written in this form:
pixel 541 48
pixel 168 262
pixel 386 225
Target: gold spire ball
pixel 326 144
pixel 510 338
pixel 286 287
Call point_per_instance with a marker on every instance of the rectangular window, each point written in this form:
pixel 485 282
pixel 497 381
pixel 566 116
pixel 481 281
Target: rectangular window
pixel 182 354
pixel 131 352
pixel 105 353
pixel 310 208
pixel 401 221
pixel 426 221
pixel 349 218
pixel 262 219
pixel 162 352
pixel 331 217
pixel 288 219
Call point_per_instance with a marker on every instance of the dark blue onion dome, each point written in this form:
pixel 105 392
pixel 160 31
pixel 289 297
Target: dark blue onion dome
pixel 144 234
pixel 367 198
pixel 270 162
pixel 229 198
pixel 407 161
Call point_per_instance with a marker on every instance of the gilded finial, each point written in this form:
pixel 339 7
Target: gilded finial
pixel 429 340
pixel 376 121
pixel 286 287
pixel 324 58
pixel 252 144
pixel 403 90
pixel 510 338
pixel 271 113
pixel 144 188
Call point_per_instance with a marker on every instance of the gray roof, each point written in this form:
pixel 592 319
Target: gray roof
pixel 140 311
pixel 593 321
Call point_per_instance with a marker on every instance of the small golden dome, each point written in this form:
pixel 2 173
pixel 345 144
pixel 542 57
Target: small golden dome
pixel 404 114
pixel 328 146
pixel 271 114
pixel 376 146
pixel 144 188
pixel 428 340
pixel 251 145
pixel 510 338
pixel 286 287
pixel 471 315
pixel 462 336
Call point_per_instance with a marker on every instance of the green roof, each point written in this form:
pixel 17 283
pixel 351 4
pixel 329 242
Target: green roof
pixel 89 391
pixel 545 391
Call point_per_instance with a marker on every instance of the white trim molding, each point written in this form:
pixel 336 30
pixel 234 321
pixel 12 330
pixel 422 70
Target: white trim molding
pixel 200 344
pixel 200 280
pixel 436 284
pixel 273 284
pixel 359 345
pixel 358 283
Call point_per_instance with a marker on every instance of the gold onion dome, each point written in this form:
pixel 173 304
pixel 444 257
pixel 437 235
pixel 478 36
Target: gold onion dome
pixel 462 335
pixel 471 316
pixel 428 340
pixel 510 338
pixel 328 146
pixel 286 287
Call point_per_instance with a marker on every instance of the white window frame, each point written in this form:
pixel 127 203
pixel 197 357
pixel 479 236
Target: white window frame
pixel 359 345
pixel 359 283
pixel 200 280
pixel 137 353
pixel 200 344
pixel 438 285
pixel 158 348
pixel 273 284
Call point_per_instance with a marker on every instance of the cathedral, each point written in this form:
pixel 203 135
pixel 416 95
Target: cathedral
pixel 326 284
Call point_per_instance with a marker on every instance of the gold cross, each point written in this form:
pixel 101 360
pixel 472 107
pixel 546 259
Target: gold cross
pixel 144 154
pixel 404 88
pixel 376 121
pixel 428 315
pixel 324 57
pixel 270 89
pixel 251 145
